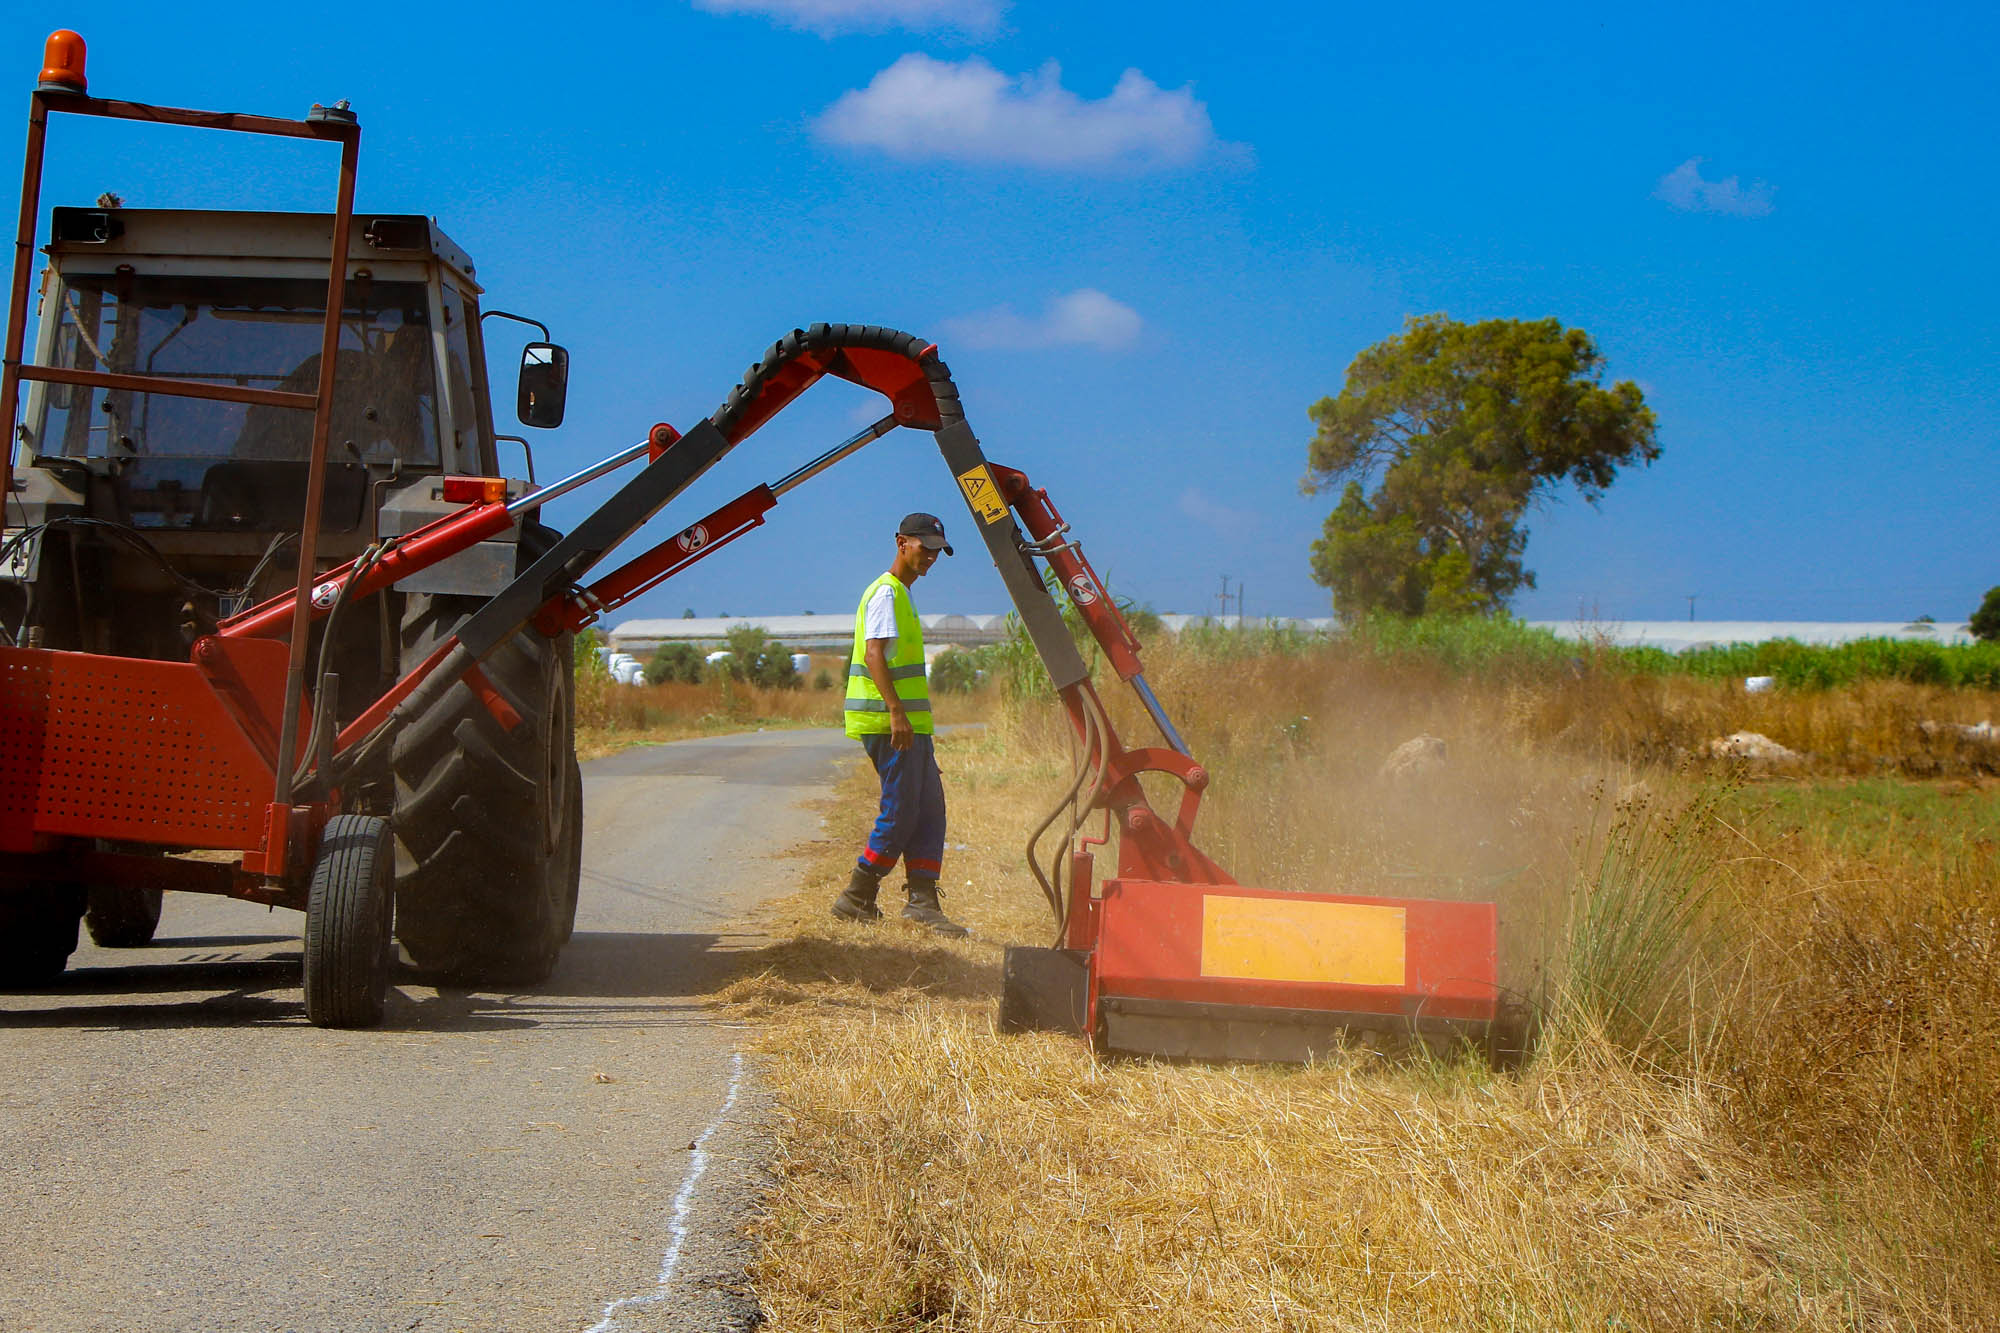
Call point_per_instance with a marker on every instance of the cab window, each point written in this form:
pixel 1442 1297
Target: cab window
pixel 466 426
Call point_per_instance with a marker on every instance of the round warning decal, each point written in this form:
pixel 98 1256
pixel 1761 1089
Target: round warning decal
pixel 693 539
pixel 1082 591
pixel 324 594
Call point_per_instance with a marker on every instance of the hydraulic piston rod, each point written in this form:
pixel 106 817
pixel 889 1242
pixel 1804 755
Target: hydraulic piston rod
pixel 1160 718
pixel 834 455
pixel 535 499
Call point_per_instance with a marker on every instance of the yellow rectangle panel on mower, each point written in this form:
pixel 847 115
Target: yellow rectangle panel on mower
pixel 1278 939
pixel 1234 945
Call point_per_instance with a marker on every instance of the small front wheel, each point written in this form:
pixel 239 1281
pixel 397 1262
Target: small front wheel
pixel 122 916
pixel 349 913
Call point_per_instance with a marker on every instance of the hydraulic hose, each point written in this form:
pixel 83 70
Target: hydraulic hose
pixel 1051 883
pixel 1096 729
pixel 320 740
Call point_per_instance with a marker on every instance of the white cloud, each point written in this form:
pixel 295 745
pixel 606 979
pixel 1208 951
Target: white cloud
pixel 923 109
pixel 828 18
pixel 1685 189
pixel 1220 518
pixel 1085 317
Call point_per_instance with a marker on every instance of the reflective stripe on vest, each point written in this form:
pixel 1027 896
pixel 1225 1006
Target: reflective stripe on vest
pixel 867 713
pixel 895 673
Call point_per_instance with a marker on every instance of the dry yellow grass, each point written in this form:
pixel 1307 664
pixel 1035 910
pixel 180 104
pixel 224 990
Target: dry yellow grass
pixel 1814 1151
pixel 935 1176
pixel 610 716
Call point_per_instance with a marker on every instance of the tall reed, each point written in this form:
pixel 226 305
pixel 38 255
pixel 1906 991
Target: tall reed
pixel 1637 939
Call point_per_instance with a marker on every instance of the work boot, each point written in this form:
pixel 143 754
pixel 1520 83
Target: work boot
pixel 857 901
pixel 924 910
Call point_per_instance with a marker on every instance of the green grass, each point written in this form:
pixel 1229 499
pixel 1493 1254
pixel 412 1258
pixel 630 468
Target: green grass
pixel 1871 816
pixel 1470 644
pixel 1821 667
pixel 1502 646
pixel 1499 647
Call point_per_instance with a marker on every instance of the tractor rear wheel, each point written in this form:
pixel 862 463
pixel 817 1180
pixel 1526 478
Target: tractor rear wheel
pixel 348 913
pixel 37 933
pixel 122 916
pixel 488 821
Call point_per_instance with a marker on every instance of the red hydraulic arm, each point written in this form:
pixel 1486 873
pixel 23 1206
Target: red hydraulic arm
pixel 550 597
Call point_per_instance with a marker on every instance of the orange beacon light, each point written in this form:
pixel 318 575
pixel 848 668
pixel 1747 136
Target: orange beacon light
pixel 62 64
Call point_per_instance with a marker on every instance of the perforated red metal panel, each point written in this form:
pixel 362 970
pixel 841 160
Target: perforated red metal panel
pixel 115 747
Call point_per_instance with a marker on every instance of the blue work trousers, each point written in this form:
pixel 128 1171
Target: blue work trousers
pixel 910 822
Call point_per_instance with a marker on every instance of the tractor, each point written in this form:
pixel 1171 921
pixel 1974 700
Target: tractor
pixel 382 735
pixel 160 487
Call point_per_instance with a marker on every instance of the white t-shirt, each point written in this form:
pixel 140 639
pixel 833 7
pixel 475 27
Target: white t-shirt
pixel 879 622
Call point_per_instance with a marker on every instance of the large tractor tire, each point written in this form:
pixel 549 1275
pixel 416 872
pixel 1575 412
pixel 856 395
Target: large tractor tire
pixel 349 909
pixel 573 874
pixel 488 821
pixel 122 916
pixel 37 934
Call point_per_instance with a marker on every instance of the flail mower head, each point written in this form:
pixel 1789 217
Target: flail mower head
pixel 1174 958
pixel 1228 972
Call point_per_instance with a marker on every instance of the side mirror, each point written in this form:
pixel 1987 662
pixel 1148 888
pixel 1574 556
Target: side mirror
pixel 544 385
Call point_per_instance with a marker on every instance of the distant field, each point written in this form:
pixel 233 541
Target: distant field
pixel 1768 1095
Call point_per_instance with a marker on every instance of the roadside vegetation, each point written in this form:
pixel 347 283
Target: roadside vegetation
pixel 1491 646
pixel 1767 1092
pixel 756 686
pixel 611 716
pixel 684 694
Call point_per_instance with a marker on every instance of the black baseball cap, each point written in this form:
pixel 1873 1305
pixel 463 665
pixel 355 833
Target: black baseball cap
pixel 927 527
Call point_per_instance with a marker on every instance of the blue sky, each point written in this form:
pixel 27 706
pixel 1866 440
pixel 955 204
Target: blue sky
pixel 1148 237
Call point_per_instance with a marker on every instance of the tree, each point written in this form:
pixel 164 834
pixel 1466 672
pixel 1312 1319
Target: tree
pixel 1986 620
pixel 755 657
pixel 955 671
pixel 676 663
pixel 1459 428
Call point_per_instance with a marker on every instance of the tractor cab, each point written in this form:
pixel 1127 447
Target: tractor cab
pixel 239 299
pixel 215 486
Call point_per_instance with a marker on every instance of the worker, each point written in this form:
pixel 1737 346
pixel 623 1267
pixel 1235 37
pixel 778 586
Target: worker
pixel 889 712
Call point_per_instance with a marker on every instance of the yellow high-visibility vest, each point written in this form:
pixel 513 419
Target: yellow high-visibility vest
pixel 867 711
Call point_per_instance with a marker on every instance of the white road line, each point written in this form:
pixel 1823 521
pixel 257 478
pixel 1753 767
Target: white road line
pixel 683 1200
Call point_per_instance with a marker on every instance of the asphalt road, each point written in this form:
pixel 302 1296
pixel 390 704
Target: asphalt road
pixel 179 1149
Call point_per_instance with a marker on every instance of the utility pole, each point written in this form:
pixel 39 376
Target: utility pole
pixel 1223 598
pixel 1691 597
